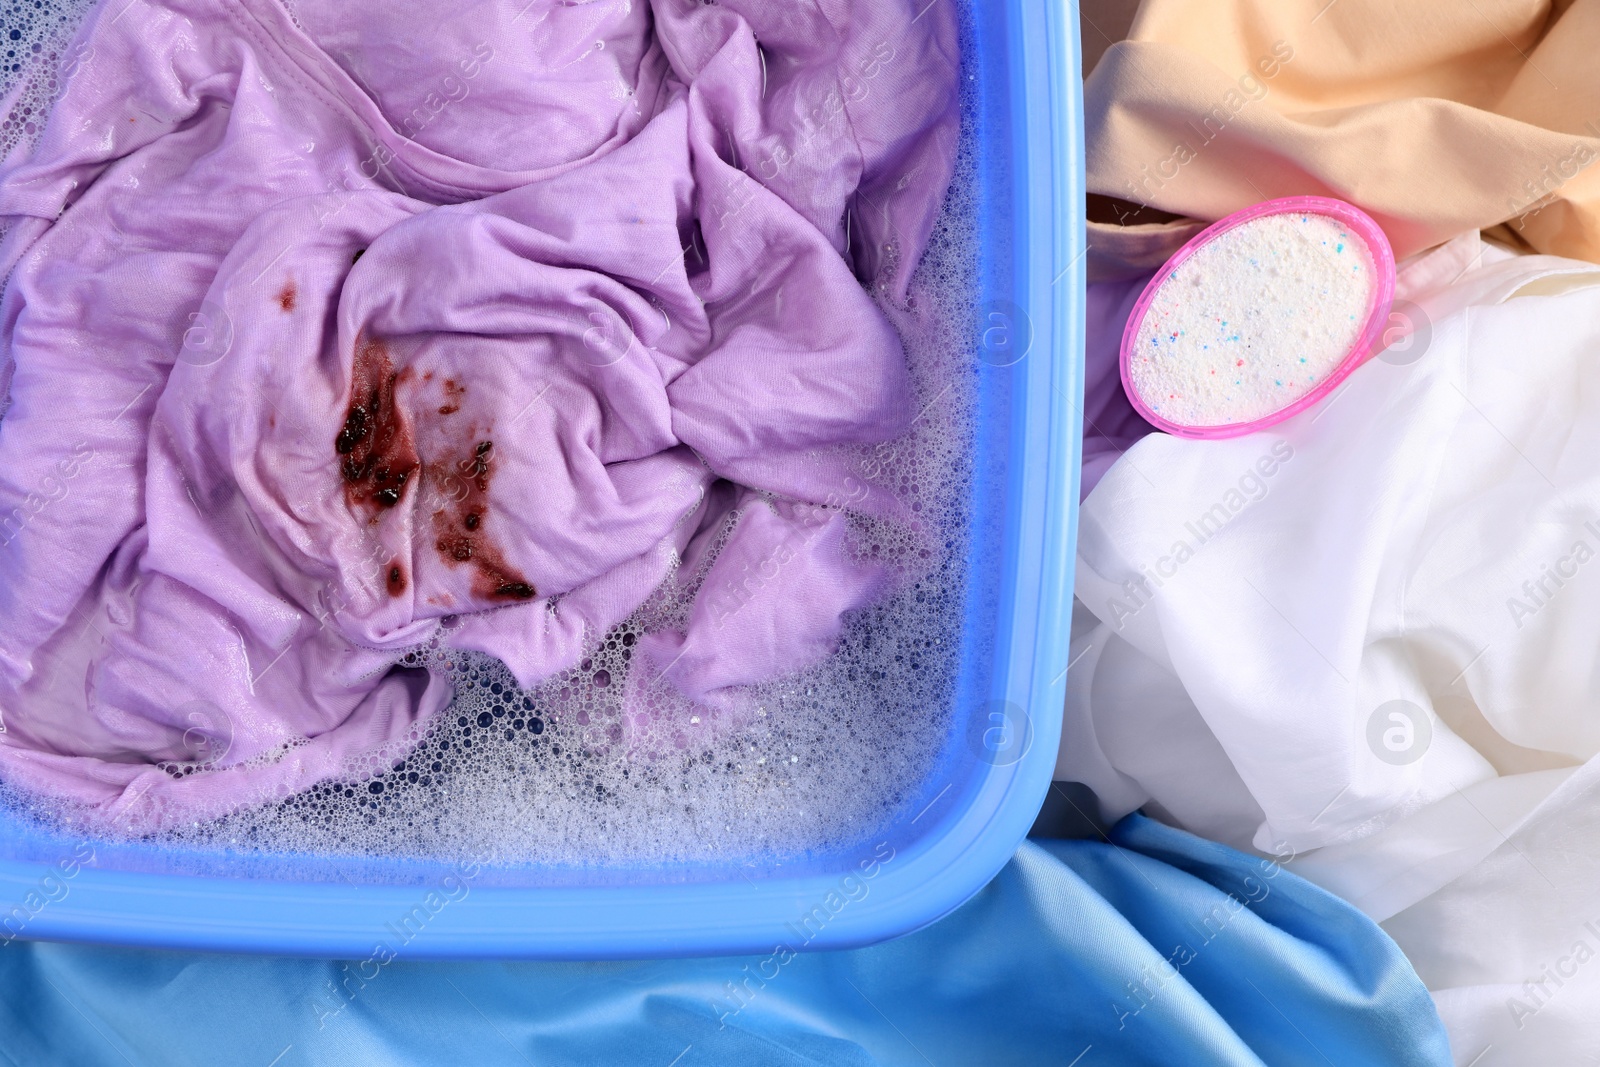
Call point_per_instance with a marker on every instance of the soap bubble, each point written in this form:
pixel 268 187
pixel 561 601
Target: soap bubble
pixel 41 58
pixel 75 57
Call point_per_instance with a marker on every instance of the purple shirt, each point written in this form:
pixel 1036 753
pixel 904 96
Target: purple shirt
pixel 331 335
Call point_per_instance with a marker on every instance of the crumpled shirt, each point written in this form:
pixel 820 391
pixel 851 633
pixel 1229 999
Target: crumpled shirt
pixel 332 332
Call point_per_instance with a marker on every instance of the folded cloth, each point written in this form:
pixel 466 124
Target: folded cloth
pixel 1433 117
pixel 1374 606
pixel 319 350
pixel 1152 947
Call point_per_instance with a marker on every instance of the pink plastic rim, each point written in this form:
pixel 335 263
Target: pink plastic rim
pixel 1367 344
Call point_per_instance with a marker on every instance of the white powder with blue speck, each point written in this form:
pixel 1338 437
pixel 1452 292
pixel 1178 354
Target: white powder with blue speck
pixel 1253 321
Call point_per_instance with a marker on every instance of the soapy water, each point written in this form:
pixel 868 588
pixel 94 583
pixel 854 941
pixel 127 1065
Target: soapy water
pixel 545 776
pixel 37 57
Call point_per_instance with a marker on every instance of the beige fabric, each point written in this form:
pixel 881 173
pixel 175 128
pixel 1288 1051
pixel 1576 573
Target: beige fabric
pixel 1434 116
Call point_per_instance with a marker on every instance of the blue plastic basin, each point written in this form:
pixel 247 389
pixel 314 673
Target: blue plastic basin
pixel 1023 55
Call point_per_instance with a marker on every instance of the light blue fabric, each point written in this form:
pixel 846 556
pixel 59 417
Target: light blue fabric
pixel 1153 948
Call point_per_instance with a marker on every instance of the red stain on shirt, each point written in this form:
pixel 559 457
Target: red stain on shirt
pixel 459 534
pixel 453 391
pixel 378 454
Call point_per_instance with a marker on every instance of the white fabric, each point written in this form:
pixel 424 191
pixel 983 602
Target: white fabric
pixel 1431 533
pixel 1511 948
pixel 1370 550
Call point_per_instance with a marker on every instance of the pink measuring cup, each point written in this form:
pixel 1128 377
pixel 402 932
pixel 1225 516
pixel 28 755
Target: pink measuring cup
pixel 1367 343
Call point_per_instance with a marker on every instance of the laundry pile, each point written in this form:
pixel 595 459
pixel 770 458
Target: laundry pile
pixel 1366 640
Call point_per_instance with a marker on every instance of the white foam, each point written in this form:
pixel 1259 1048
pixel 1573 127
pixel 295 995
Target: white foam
pixel 37 57
pixel 1256 319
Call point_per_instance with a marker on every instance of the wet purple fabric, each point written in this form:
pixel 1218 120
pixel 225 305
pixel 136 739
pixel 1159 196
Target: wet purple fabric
pixel 331 334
